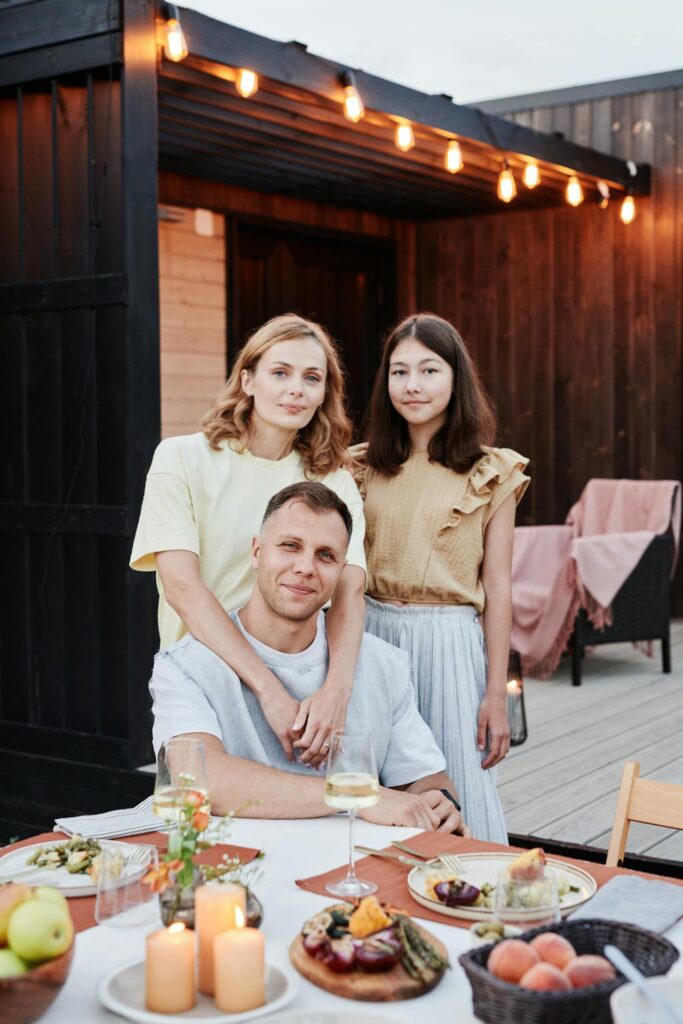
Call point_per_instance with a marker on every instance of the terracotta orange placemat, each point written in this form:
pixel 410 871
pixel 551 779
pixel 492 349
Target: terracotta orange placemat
pixel 83 907
pixel 391 878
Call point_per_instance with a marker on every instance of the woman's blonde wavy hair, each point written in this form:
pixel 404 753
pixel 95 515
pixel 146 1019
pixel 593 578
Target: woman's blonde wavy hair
pixel 323 442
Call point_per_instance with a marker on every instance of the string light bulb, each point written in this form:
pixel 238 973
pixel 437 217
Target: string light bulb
pixel 574 192
pixel 627 212
pixel 531 176
pixel 454 161
pixel 603 190
pixel 246 82
pixel 507 190
pixel 354 110
pixel 405 136
pixel 175 46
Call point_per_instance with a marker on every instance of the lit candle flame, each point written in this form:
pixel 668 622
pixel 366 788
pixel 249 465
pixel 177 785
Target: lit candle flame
pixel 513 686
pixel 176 928
pixel 239 918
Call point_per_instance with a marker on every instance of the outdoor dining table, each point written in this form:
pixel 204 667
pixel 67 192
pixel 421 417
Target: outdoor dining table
pixel 294 850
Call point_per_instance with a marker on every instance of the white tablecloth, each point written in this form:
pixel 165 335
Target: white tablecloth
pixel 294 849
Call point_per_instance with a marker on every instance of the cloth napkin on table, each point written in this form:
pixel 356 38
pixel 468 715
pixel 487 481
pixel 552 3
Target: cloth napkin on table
pixel 129 821
pixel 647 903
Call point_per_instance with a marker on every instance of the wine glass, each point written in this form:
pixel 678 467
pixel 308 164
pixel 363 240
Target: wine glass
pixel 351 784
pixel 181 779
pixel 527 903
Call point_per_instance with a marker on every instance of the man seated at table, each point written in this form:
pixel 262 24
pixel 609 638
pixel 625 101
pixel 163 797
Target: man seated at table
pixel 298 558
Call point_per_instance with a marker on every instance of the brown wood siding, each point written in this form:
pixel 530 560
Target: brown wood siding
pixel 574 318
pixel 192 298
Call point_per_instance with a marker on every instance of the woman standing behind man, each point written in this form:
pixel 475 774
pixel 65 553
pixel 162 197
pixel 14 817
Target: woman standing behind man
pixel 279 419
pixel 439 512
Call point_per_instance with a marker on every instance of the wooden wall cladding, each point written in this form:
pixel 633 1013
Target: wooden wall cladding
pixel 574 318
pixel 192 313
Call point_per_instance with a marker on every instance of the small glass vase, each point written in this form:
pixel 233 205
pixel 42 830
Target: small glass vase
pixel 177 904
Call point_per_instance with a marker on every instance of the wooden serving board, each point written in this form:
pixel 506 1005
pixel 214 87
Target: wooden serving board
pixel 383 987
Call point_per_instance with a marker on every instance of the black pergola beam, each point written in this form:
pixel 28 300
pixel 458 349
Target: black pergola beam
pixel 55 22
pixel 62 59
pixel 291 63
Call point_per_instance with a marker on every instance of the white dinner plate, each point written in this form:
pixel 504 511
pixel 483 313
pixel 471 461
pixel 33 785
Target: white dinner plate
pixel 484 867
pixel 122 990
pixel 67 883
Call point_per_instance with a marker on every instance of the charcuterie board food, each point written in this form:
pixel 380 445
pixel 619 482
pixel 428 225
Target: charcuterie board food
pixel 368 950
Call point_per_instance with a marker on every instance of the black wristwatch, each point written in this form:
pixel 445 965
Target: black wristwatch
pixel 449 796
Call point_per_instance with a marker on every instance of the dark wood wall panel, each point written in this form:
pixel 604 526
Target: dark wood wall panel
pixel 576 319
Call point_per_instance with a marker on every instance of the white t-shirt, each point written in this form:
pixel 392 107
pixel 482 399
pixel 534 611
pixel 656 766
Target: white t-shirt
pixel 195 691
pixel 212 503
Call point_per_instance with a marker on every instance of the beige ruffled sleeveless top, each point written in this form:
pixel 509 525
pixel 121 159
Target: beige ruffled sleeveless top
pixel 424 527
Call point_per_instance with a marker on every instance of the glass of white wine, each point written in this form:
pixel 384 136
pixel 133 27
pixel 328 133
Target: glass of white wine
pixel 181 779
pixel 351 785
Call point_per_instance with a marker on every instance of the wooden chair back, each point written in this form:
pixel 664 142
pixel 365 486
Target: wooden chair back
pixel 654 803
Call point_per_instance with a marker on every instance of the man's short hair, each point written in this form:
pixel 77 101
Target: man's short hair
pixel 315 496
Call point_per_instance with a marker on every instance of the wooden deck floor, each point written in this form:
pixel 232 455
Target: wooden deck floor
pixel 562 783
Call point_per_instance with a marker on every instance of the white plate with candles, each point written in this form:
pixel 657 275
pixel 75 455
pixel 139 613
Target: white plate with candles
pixel 122 990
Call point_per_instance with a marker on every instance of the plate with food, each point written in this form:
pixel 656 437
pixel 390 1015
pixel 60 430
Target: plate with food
pixel 471 895
pixel 368 950
pixel 72 866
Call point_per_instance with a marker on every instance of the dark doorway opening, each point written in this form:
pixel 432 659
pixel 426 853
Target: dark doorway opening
pixel 344 282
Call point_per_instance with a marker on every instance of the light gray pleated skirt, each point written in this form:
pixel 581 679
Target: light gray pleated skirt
pixel 448 658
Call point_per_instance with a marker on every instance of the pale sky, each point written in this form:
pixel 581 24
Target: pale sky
pixel 474 51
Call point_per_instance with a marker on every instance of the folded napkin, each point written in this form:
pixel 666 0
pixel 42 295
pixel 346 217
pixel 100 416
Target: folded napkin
pixel 649 904
pixel 129 821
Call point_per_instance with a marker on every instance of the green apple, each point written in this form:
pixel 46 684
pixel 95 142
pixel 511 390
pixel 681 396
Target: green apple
pixel 11 964
pixel 39 930
pixel 46 892
pixel 11 896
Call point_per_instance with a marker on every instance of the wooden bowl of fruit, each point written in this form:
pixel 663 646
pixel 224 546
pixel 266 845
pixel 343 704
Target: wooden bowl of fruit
pixel 36 949
pixel 369 951
pixel 557 974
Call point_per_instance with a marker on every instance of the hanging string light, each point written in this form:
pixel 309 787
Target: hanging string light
pixel 603 189
pixel 175 46
pixel 405 136
pixel 531 176
pixel 246 82
pixel 454 161
pixel 628 209
pixel 574 191
pixel 353 104
pixel 507 190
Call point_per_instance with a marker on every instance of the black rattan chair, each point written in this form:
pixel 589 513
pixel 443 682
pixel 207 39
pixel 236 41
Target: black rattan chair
pixel 641 610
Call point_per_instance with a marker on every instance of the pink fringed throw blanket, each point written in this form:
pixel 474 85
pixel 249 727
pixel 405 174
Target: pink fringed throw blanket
pixel 558 569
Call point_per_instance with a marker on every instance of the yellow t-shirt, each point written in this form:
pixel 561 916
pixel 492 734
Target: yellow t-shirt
pixel 212 503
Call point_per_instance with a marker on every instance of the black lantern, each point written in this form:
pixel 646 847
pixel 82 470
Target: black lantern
pixel 515 700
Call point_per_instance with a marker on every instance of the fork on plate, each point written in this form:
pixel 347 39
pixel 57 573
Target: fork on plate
pixel 449 860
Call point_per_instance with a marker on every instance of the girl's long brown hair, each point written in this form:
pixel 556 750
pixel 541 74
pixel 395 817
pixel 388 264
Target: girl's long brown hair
pixel 323 442
pixel 470 421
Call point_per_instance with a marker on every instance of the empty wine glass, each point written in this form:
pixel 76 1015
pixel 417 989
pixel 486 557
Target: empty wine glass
pixel 351 785
pixel 181 779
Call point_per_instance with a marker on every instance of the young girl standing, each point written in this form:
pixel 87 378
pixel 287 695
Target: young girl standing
pixel 439 513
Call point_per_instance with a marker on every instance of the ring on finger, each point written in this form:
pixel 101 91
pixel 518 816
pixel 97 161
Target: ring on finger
pixel 420 824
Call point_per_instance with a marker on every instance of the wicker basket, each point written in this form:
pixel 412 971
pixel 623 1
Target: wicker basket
pixel 499 1002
